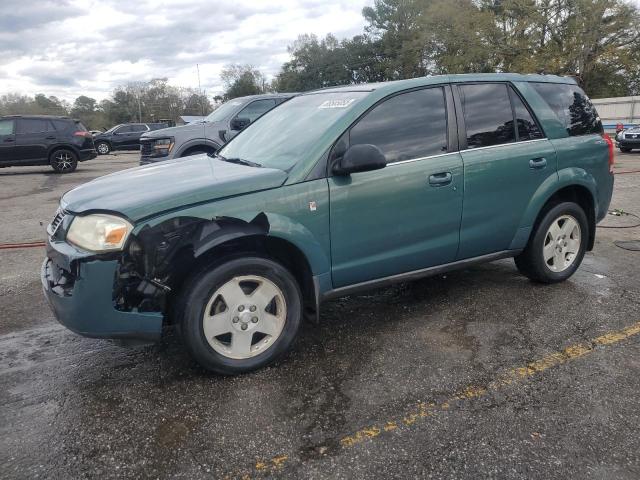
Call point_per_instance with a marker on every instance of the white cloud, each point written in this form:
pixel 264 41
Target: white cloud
pixel 72 47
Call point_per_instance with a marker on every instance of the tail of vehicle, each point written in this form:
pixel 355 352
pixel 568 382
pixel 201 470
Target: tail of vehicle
pixel 82 138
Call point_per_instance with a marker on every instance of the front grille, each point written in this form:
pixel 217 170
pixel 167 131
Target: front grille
pixel 145 148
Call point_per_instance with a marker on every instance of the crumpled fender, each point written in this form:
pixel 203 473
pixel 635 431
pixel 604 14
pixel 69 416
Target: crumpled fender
pixel 273 225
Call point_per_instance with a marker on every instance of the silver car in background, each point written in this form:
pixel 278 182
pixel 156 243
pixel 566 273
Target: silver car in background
pixel 209 135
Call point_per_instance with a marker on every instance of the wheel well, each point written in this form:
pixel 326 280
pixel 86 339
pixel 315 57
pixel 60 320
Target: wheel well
pixel 62 147
pixel 580 195
pixel 190 150
pixel 277 249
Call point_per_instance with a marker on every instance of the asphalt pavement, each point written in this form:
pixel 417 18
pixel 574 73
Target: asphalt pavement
pixel 473 374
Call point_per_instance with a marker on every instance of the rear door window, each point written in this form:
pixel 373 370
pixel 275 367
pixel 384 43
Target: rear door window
pixel 33 125
pixel 572 107
pixel 6 127
pixel 527 127
pixel 487 114
pixel 406 126
pixel 256 109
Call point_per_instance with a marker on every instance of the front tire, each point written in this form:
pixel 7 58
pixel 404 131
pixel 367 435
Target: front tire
pixel 103 148
pixel 625 150
pixel 557 245
pixel 64 161
pixel 240 315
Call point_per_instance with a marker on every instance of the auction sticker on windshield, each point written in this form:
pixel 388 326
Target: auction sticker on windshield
pixel 337 103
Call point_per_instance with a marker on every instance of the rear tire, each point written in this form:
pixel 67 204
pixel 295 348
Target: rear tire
pixel 557 245
pixel 240 315
pixel 103 148
pixel 64 161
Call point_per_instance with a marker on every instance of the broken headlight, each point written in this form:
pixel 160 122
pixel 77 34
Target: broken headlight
pixel 99 232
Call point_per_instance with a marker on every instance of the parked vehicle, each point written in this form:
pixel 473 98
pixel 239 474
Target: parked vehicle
pixel 208 136
pixel 628 139
pixel 44 140
pixel 125 136
pixel 334 192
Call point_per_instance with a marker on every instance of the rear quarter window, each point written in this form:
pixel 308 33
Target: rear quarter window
pixel 572 107
pixel 61 125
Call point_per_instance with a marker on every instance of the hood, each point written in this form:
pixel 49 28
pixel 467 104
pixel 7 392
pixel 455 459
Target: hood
pixel 195 128
pixel 151 189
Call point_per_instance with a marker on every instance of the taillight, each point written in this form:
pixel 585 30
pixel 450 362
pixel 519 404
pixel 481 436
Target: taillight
pixel 610 147
pixel 82 134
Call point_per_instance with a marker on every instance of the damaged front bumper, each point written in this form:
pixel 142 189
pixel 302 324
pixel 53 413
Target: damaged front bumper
pixel 79 288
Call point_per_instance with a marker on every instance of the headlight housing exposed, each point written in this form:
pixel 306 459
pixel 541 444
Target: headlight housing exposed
pixel 99 232
pixel 162 146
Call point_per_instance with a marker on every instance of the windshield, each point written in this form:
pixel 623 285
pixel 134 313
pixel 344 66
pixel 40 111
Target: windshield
pixel 223 111
pixel 283 135
pixel 112 129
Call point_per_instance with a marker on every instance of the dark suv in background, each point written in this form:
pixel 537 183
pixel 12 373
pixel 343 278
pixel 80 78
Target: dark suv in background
pixel 125 136
pixel 61 142
pixel 224 123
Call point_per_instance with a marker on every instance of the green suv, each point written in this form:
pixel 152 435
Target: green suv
pixel 334 192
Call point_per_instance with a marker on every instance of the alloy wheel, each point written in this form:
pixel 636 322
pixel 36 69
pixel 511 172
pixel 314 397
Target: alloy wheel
pixel 244 317
pixel 64 161
pixel 103 148
pixel 562 243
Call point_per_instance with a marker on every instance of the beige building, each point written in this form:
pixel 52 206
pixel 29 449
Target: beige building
pixel 625 110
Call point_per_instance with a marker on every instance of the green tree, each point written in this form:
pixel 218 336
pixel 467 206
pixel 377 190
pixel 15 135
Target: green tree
pixel 242 80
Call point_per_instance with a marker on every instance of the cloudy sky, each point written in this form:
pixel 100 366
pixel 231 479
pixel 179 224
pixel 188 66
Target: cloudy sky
pixel 72 47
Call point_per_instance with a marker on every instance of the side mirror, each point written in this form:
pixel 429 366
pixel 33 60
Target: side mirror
pixel 239 123
pixel 360 158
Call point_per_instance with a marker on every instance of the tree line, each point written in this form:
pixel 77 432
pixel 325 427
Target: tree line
pixel 597 41
pixel 151 101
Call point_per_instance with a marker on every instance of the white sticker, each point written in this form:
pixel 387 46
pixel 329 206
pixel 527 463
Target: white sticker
pixel 337 103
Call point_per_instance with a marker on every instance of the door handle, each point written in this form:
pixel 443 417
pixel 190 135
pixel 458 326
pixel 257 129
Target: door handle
pixel 7 140
pixel 440 179
pixel 50 138
pixel 538 163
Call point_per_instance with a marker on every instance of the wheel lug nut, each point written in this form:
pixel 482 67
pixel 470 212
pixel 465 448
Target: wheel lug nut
pixel 241 308
pixel 254 319
pixel 244 326
pixel 235 319
pixel 252 308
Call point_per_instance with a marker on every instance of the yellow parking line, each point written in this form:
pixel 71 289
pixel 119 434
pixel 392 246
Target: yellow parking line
pixel 424 410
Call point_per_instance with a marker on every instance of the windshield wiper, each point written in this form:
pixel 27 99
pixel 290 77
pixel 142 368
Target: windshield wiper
pixel 238 161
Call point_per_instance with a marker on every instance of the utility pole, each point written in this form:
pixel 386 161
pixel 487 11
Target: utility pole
pixel 139 109
pixel 200 90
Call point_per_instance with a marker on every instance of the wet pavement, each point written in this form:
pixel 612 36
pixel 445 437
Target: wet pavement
pixel 477 373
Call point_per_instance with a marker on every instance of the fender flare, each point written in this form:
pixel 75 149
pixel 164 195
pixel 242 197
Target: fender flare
pixel 62 146
pixel 195 142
